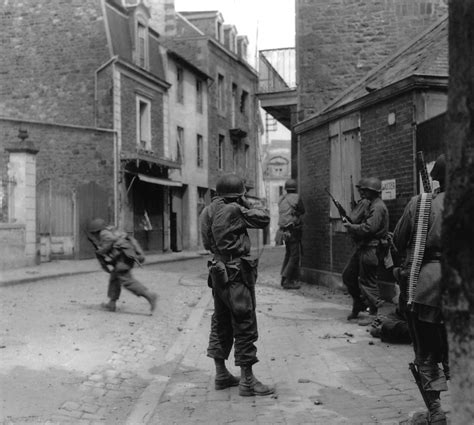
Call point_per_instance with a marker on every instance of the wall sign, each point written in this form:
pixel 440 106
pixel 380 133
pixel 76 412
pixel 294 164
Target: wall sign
pixel 389 189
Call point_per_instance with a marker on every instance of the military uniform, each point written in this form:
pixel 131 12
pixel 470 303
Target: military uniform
pixel 424 315
pixel 292 229
pixel 232 277
pixel 121 253
pixel 369 229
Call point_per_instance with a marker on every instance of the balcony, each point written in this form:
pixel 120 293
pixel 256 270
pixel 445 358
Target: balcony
pixel 277 84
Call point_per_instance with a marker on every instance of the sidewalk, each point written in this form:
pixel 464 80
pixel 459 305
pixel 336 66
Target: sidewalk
pixel 60 268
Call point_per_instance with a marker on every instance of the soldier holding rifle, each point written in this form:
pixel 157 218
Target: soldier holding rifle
pixel 367 224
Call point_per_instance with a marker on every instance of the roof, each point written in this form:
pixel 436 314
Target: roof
pixel 122 43
pixel 426 56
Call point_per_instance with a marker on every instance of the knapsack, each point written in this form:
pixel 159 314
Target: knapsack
pixel 128 246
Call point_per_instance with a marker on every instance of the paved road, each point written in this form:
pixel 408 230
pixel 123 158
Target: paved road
pixel 65 361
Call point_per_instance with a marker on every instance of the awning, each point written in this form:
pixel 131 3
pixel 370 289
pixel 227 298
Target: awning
pixel 157 180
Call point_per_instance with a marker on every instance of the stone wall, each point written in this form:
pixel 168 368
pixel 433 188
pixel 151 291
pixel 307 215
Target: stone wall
pixel 339 41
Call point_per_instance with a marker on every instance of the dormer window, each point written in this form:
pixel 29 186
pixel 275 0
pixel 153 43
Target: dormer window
pixel 219 31
pixel 142 44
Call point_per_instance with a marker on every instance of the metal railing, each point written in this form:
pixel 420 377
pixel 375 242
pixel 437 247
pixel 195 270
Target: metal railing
pixel 277 70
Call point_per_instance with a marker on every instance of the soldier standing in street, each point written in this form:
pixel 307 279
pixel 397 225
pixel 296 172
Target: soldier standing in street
pixel 120 251
pixel 369 230
pixel 417 237
pixel 290 208
pixel 232 276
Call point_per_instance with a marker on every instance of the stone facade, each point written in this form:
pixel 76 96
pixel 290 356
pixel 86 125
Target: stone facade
pixel 338 42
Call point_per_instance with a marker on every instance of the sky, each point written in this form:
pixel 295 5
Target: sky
pixel 275 20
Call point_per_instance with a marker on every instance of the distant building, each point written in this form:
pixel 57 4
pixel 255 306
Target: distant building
pixel 277 169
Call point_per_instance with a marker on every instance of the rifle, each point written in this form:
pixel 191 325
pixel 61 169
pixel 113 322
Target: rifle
pixel 353 202
pixel 416 375
pixel 100 258
pixel 340 208
pixel 425 178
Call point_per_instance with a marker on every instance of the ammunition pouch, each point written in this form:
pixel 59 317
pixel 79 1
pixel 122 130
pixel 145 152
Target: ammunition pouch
pixel 217 274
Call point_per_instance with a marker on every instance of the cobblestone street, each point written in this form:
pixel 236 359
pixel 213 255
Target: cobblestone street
pixel 65 361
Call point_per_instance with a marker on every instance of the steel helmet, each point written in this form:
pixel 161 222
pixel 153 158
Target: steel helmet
pixel 362 183
pixel 96 225
pixel 372 183
pixel 230 186
pixel 291 185
pixel 439 169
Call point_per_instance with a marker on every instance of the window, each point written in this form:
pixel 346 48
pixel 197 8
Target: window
pixel 244 102
pixel 180 144
pixel 220 152
pixel 180 85
pixel 142 45
pixel 199 151
pixel 219 31
pixel 220 93
pixel 199 96
pixel 234 104
pixel 247 156
pixel 235 157
pixel 344 137
pixel 143 124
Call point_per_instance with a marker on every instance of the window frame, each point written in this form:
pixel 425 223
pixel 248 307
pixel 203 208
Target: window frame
pixel 142 27
pixel 180 144
pixel 199 151
pixel 220 151
pixel 199 96
pixel 180 84
pixel 143 123
pixel 220 94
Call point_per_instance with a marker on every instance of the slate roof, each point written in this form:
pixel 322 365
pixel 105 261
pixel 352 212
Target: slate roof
pixel 425 56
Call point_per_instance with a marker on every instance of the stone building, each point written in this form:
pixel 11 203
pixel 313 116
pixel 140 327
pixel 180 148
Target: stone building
pixel 373 128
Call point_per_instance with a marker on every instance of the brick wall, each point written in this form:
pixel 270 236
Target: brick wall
pixel 386 152
pixel 339 41
pixel 69 156
pixel 49 53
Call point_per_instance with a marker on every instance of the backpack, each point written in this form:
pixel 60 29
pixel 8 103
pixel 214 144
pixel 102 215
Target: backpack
pixel 128 246
pixel 287 210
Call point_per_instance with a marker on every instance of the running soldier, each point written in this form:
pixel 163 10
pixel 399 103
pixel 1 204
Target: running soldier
pixel 417 237
pixel 232 276
pixel 117 254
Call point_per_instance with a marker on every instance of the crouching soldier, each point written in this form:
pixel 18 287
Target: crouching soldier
pixel 117 254
pixel 232 276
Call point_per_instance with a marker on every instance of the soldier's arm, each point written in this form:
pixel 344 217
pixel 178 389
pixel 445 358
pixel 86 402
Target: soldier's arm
pixel 403 229
pixel 370 226
pixel 106 243
pixel 255 218
pixel 205 225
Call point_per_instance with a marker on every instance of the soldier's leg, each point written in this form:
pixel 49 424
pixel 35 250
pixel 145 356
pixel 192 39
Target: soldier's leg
pixel 113 292
pixel 221 339
pixel 135 287
pixel 291 270
pixel 350 278
pixel 285 263
pixel 368 278
pixel 430 354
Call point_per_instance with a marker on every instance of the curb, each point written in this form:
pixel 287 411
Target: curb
pixel 87 270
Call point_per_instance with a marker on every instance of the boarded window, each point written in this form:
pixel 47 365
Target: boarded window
pixel 345 162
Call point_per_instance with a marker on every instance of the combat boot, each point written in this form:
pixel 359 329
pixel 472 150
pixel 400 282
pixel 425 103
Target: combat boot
pixel 110 306
pixel 151 297
pixel 250 386
pixel 291 284
pixel 436 415
pixel 357 307
pixel 224 379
